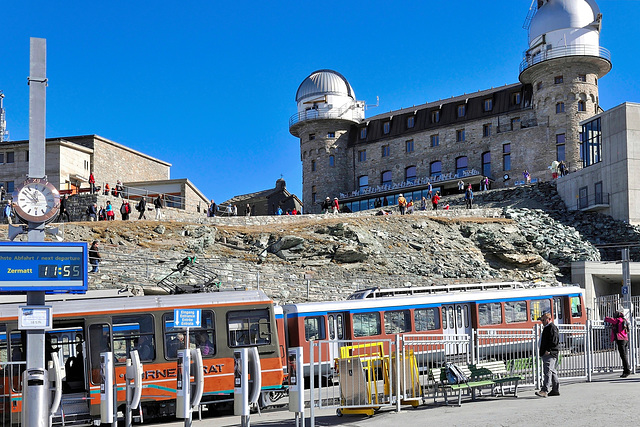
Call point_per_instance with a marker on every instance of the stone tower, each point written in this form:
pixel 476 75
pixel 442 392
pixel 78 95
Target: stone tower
pixel 564 63
pixel 327 107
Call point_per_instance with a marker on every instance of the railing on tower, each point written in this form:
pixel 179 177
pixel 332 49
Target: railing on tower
pixel 550 52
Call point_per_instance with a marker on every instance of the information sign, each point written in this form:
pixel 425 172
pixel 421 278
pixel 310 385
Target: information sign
pixel 625 290
pixel 43 266
pixel 34 317
pixel 187 318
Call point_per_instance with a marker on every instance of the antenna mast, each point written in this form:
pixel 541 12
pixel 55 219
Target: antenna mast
pixel 4 134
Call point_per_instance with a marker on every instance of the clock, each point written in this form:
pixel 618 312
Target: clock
pixel 36 200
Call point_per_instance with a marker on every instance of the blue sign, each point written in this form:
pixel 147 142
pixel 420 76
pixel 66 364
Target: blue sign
pixel 187 318
pixel 625 290
pixel 43 266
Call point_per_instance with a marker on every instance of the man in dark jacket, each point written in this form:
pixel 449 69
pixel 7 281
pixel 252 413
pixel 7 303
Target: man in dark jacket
pixel 142 208
pixel 549 349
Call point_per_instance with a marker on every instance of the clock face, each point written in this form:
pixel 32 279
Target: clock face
pixel 36 200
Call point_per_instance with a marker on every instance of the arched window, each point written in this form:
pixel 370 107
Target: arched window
pixel 462 164
pixel 410 174
pixel 363 182
pixel 332 161
pixel 386 178
pixel 582 106
pixel 435 168
pixel 486 164
pixel 560 107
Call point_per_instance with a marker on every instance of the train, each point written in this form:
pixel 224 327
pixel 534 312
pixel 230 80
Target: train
pixel 84 327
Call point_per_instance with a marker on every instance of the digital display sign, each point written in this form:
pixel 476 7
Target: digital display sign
pixel 43 266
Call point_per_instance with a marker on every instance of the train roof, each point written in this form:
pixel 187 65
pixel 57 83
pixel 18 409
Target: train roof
pixel 128 303
pixel 426 299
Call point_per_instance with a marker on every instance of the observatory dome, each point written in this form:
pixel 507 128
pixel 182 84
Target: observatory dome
pixel 324 82
pixel 562 14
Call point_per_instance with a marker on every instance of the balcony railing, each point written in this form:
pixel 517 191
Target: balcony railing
pixel 408 184
pixel 596 202
pixel 321 113
pixel 560 51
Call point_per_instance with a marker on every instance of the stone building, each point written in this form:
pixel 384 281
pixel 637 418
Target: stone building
pixel 497 133
pixel 265 202
pixel 70 161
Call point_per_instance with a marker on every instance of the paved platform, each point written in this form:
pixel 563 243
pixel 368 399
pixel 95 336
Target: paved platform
pixel 608 400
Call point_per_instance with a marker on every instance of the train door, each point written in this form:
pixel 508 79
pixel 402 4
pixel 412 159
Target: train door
pixel 336 333
pixel 559 313
pixel 456 320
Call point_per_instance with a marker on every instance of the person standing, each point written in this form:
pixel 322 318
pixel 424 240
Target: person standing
pixel 549 350
pixel 94 256
pixel 92 183
pixel 63 208
pixel 434 200
pixel 212 208
pixel 468 197
pixel 92 211
pixel 461 186
pixel 430 191
pixel 109 211
pixel 402 204
pixel 336 206
pixel 125 210
pixel 142 208
pixel 423 204
pixel 157 203
pixel 248 210
pixel 619 334
pixel 326 206
pixel 2 192
pixel 8 213
pixel 486 183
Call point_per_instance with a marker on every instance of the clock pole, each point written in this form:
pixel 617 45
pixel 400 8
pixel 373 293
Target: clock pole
pixel 35 406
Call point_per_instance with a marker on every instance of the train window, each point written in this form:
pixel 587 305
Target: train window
pixel 99 342
pixel 202 338
pixel 397 322
pixel 248 328
pixel 314 328
pixel 133 333
pixel 452 318
pixel 490 313
pixel 459 315
pixel 332 328
pixel 444 318
pixel 466 316
pixel 576 307
pixel 557 307
pixel 515 311
pixel 426 319
pixel 340 327
pixel 366 324
pixel 539 307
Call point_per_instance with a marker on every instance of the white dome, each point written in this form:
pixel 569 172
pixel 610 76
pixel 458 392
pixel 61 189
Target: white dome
pixel 562 14
pixel 325 82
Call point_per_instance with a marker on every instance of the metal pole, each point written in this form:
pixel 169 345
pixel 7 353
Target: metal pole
pixel 626 303
pixel 258 279
pixel 587 350
pixel 127 420
pixel 397 373
pixel 312 415
pixel 187 419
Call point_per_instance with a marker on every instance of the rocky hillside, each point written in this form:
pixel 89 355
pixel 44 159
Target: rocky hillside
pixel 523 233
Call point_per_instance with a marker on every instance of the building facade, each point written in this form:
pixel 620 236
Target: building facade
pixel 498 133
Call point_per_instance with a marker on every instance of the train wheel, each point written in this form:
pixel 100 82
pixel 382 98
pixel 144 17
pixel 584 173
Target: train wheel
pixel 339 412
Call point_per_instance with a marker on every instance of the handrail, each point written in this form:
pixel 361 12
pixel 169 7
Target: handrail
pixel 548 52
pixel 320 113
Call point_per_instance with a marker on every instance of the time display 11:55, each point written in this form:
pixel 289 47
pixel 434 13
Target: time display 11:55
pixel 72 271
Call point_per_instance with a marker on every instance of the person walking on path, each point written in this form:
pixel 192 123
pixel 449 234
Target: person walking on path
pixel 434 200
pixel 402 204
pixel 549 349
pixel 92 211
pixel 63 208
pixel 336 206
pixel 94 256
pixel 142 208
pixel 157 203
pixel 619 334
pixel 326 205
pixel 468 197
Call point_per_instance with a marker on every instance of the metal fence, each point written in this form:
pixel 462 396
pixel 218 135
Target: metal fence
pixel 10 392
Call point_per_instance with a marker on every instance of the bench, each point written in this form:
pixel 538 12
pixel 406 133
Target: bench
pixel 498 373
pixel 439 377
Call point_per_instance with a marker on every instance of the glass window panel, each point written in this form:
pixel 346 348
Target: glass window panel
pixel 515 311
pixel 490 313
pixel 397 322
pixel 249 328
pixel 539 307
pixel 314 328
pixel 366 324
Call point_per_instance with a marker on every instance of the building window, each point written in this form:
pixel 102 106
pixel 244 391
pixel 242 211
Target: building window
pixel 506 157
pixel 331 134
pixel 582 106
pixel 558 79
pixel 539 86
pixel 10 186
pixel 362 155
pixel 597 187
pixel 516 98
pixel 592 143
pixel 411 120
pixel 582 77
pixel 486 163
pixel 332 160
pixel 409 145
pixel 435 116
pixel 435 168
pixel 460 135
pixel 386 151
pixel 486 130
pixel 86 165
pixel 488 104
pixel 462 164
pixel 313 194
pixel 386 127
pixel 312 136
pixel 313 165
pixel 435 140
pixel 559 107
pixel 10 157
pixel 26 156
pixel 363 182
pixel 386 178
pixel 560 147
pixel 1 158
pixel 596 81
pixel 583 197
pixel 410 174
pixel 363 133
pixel 515 123
pixel 462 110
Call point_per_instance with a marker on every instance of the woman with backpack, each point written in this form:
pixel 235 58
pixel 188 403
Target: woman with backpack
pixel 619 334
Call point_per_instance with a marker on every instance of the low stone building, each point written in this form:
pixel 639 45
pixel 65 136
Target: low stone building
pixel 265 202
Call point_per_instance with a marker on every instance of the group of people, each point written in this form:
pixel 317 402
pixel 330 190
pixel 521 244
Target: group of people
pixel 230 210
pixel 107 212
pixel 329 206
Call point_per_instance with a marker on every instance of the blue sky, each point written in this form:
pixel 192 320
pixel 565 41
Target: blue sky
pixel 209 86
